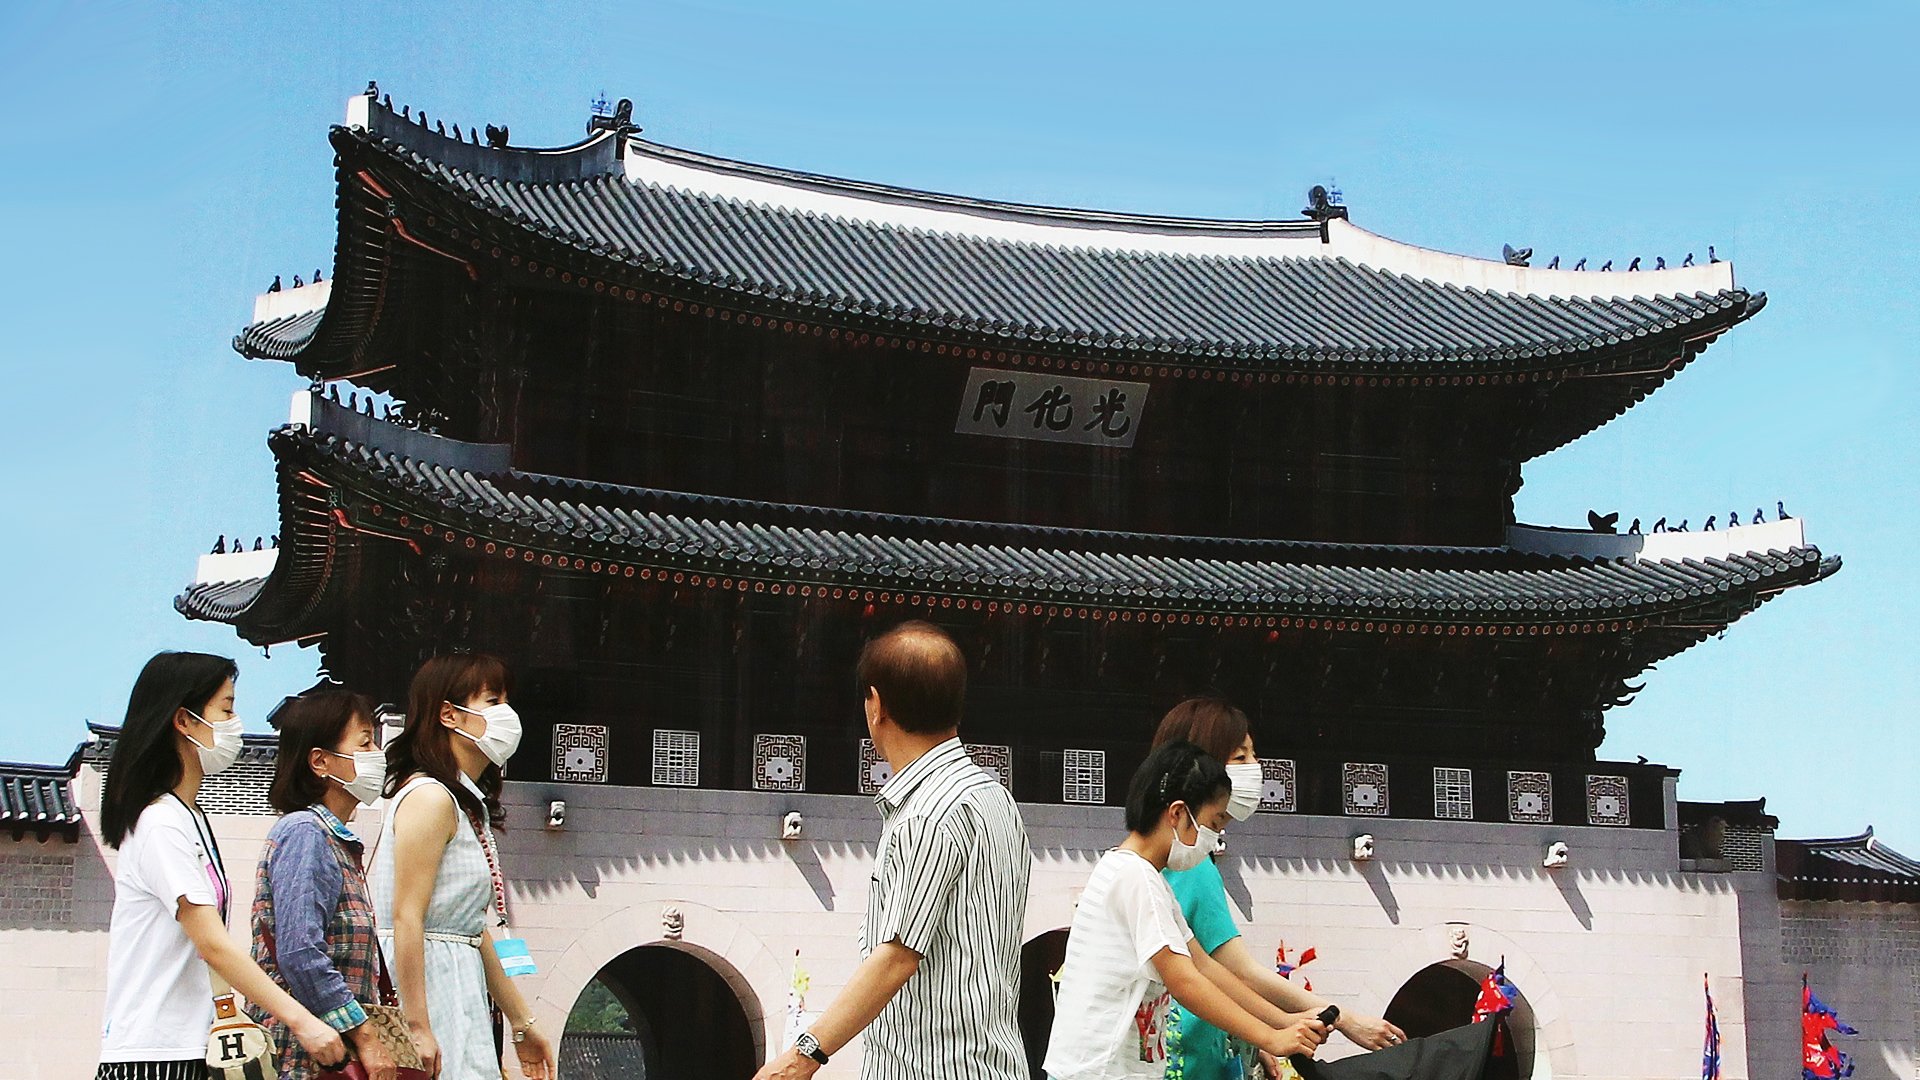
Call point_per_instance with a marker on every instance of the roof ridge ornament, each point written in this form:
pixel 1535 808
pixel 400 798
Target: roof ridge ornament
pixel 1324 204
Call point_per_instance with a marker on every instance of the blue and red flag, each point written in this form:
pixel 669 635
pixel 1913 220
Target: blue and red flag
pixel 1819 1060
pixel 1710 1052
pixel 1497 998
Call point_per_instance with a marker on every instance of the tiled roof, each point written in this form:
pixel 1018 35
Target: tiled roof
pixel 1860 867
pixel 218 600
pixel 281 338
pixel 37 797
pixel 770 542
pixel 1308 308
pixel 602 1057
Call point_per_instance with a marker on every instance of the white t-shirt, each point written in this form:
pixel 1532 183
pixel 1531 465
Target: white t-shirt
pixel 1109 1021
pixel 159 1004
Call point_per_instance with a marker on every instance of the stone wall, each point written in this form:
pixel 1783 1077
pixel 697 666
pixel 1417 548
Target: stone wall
pixel 1863 960
pixel 1608 951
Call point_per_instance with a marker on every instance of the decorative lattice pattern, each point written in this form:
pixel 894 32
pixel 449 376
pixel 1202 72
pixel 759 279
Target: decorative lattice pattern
pixel 1083 776
pixel 1530 797
pixel 1453 794
pixel 1363 789
pixel 1280 786
pixel 676 758
pixel 580 753
pixel 995 761
pixel 1607 800
pixel 874 770
pixel 780 763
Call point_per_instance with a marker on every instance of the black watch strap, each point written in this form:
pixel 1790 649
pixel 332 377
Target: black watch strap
pixel 810 1047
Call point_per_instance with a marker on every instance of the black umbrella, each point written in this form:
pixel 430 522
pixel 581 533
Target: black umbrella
pixel 1460 1053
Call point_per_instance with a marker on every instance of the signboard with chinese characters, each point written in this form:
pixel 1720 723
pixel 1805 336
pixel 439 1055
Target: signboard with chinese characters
pixel 1051 408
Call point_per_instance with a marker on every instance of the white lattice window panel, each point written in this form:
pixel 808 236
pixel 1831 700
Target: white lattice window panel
pixel 780 763
pixel 995 761
pixel 580 753
pixel 1607 800
pixel 1363 789
pixel 1530 797
pixel 874 769
pixel 1279 786
pixel 1083 776
pixel 1453 794
pixel 676 758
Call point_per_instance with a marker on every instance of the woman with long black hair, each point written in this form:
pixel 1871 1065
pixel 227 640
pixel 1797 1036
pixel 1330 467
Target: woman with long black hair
pixel 170 900
pixel 436 872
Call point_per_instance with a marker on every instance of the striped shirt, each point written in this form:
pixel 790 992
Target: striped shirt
pixel 950 883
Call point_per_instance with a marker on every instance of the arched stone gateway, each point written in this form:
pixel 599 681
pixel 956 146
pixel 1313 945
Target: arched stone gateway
pixel 1039 959
pixel 683 1018
pixel 699 992
pixel 1441 996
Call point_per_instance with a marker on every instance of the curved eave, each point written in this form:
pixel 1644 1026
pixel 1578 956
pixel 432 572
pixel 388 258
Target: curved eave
pixel 1305 313
pixel 534 520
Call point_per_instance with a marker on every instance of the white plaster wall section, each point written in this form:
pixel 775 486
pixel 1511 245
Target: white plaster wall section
pixel 898 208
pixel 719 939
pixel 235 566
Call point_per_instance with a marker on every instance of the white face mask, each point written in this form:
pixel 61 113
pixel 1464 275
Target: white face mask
pixel 215 759
pixel 369 775
pixel 1185 856
pixel 502 736
pixel 1248 781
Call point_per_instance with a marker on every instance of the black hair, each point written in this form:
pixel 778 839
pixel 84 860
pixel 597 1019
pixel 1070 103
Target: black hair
pixel 146 760
pixel 921 675
pixel 316 720
pixel 1175 772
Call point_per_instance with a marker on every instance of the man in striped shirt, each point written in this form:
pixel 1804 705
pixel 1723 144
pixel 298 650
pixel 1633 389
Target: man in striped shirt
pixel 937 992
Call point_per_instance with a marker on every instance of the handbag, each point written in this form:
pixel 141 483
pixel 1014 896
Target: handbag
pixel 384 1020
pixel 238 1048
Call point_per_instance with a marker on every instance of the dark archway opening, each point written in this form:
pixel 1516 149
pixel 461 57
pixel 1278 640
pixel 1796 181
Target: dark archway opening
pixel 1039 959
pixel 1441 996
pixel 658 1012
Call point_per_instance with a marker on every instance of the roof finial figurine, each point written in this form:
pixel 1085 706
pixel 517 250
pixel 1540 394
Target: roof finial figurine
pixel 297 283
pixel 219 545
pixel 423 119
pixel 1758 517
pixel 275 287
pixel 1555 264
pixel 1515 256
pixel 1634 265
pixel 373 89
pixel 353 401
pixel 259 543
pixel 497 136
pixel 1634 529
pixel 1682 527
pixel 316 275
pixel 369 404
pixel 386 102
pixel 404 111
pixel 1708 527
pixel 1689 260
pixel 1606 266
pixel 1322 204
pixel 1733 519
pixel 1603 523
pixel 1712 256
pixel 275 541
pixel 1581 265
pixel 1659 262
pixel 1660 526
pixel 1781 506
pixel 440 126
pixel 333 393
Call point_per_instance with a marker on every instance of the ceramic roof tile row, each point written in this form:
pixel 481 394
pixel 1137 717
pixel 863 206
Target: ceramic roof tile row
pixel 36 796
pixel 1065 567
pixel 1308 308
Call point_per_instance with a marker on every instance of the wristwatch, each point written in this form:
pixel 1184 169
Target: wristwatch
pixel 520 1032
pixel 810 1047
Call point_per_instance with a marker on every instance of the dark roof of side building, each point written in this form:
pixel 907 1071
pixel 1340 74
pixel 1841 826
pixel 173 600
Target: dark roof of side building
pixel 1858 867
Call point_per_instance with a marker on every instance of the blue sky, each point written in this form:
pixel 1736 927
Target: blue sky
pixel 163 163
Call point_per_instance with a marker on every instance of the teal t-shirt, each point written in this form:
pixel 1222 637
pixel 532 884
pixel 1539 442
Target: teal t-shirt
pixel 1202 1051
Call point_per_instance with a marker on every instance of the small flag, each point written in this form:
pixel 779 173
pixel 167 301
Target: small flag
pixel 1819 1060
pixel 1285 969
pixel 1710 1052
pixel 1497 998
